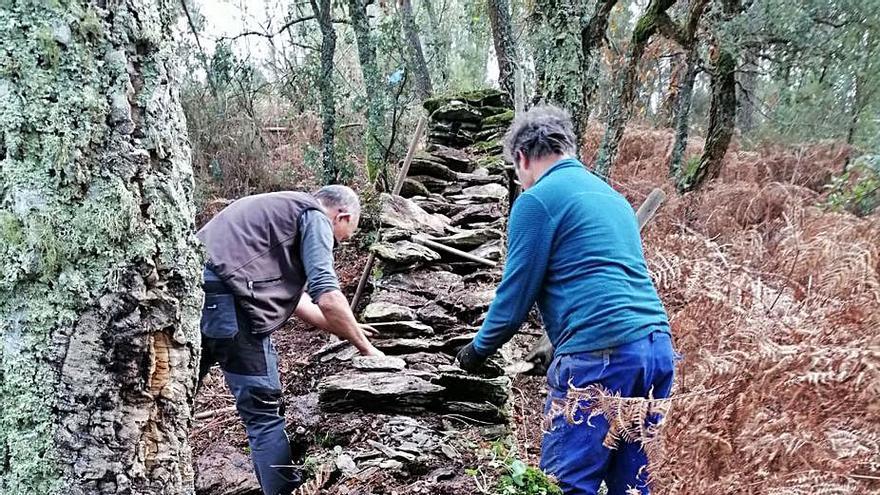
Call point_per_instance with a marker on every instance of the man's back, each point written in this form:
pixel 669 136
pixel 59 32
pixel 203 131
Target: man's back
pixel 597 291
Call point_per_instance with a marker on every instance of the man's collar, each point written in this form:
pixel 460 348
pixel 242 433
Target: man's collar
pixel 562 163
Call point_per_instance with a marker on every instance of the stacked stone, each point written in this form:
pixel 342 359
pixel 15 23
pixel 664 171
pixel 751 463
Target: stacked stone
pixel 426 303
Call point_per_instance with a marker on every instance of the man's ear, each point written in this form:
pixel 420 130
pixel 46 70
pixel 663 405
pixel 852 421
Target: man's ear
pixel 521 158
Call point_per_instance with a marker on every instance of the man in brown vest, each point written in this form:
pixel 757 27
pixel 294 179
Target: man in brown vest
pixel 262 252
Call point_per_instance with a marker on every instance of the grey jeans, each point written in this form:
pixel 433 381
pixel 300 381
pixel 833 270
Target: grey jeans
pixel 250 366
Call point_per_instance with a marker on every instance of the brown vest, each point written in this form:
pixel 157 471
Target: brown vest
pixel 253 246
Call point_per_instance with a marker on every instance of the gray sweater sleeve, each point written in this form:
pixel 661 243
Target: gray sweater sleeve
pixel 316 250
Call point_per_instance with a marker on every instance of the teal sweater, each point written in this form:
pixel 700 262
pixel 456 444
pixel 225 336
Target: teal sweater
pixel 574 247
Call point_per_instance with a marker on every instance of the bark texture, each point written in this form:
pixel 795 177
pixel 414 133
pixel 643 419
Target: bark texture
pixel 324 12
pixel 620 104
pixel 99 297
pixel 415 54
pixel 375 137
pixel 686 36
pixel 505 45
pixel 722 119
pixel 682 111
pixel 747 84
pixel 566 36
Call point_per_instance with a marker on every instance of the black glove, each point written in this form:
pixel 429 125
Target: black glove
pixel 469 359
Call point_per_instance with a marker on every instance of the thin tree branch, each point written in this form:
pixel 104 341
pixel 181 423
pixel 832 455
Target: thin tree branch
pixel 281 30
pixel 204 57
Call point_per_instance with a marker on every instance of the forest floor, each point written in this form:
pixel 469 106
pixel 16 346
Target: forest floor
pixel 775 305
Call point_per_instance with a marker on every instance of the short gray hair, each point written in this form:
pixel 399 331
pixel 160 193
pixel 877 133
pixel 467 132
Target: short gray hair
pixel 543 130
pixel 341 197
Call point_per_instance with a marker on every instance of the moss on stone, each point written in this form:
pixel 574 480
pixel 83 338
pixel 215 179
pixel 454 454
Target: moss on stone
pixel 477 97
pixel 504 118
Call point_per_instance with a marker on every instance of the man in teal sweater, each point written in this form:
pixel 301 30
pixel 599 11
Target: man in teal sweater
pixel 574 247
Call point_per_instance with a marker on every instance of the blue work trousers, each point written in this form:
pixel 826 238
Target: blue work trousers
pixel 250 366
pixel 574 453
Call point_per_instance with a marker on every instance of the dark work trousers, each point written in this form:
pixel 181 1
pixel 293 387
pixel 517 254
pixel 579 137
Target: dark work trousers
pixel 250 366
pixel 574 453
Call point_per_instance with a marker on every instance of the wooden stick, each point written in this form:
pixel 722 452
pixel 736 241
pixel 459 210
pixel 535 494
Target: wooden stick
pixel 401 177
pixel 436 245
pixel 647 210
pixel 213 412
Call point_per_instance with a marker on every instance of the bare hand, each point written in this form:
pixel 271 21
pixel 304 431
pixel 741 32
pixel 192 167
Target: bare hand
pixel 368 330
pixel 372 351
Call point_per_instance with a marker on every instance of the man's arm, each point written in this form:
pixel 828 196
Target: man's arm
pixel 316 251
pixel 310 313
pixel 530 238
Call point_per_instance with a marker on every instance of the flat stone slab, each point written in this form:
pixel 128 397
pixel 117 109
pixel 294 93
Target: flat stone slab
pixel 402 329
pixel 399 297
pixel 403 253
pixel 433 167
pixel 387 311
pixel 456 159
pixel 378 363
pixel 398 391
pixel 491 251
pixel 424 283
pixel 463 387
pixel 412 188
pixel 402 213
pixel 486 212
pixel 469 239
pixel 405 345
pixel 486 191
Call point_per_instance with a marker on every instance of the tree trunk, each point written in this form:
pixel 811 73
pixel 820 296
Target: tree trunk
pixel 722 117
pixel 592 39
pixel 748 83
pixel 682 111
pixel 621 100
pixel 416 57
pixel 567 54
pixel 439 44
pixel 505 46
pixel 375 137
pixel 100 300
pixel 677 74
pixel 324 13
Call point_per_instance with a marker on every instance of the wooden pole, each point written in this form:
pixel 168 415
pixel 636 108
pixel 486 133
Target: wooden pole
pixel 436 245
pixel 401 177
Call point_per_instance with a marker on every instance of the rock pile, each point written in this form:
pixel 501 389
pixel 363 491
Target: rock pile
pixel 426 303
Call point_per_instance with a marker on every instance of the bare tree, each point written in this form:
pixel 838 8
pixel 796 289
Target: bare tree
pixel 505 45
pixel 722 110
pixel 375 136
pixel 621 99
pixel 324 14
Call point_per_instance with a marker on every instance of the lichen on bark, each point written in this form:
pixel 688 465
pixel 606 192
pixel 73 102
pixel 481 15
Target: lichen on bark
pixel 99 263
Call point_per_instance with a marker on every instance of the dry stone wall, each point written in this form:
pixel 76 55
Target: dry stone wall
pixel 426 302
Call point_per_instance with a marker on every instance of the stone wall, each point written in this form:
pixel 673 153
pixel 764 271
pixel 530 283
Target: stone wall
pixel 426 303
